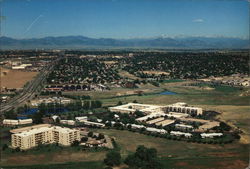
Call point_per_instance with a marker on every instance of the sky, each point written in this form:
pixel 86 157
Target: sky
pixel 125 18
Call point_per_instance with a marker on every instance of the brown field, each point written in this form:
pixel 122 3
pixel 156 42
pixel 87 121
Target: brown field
pixel 110 62
pixel 15 78
pixel 128 75
pixel 155 72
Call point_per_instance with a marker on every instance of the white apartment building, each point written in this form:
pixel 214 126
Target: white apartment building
pixel 178 133
pixel 135 126
pixel 31 137
pixel 155 130
pixel 90 123
pixel 68 122
pixel 10 122
pixel 81 118
pixel 211 135
pixel 184 126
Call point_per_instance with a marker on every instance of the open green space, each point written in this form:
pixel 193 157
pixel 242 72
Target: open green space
pixel 220 95
pixel 173 154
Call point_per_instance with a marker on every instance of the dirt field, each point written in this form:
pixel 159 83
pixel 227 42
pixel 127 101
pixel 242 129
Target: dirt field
pixel 128 75
pixel 15 78
pixel 156 72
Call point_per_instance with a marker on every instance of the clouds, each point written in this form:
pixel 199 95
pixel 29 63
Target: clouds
pixel 199 20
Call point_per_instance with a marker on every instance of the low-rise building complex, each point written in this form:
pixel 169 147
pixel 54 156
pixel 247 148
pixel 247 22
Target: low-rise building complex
pixel 151 109
pixel 132 107
pixel 10 122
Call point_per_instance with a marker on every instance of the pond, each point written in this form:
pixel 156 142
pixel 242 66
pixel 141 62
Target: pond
pixel 35 110
pixel 168 93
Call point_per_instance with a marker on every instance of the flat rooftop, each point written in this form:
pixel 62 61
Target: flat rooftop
pixel 136 106
pixel 18 130
pixel 165 122
pixel 155 120
pixel 26 131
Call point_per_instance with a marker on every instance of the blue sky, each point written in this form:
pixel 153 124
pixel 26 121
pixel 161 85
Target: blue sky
pixel 125 18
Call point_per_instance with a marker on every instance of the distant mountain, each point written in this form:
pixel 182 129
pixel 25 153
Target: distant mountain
pixel 80 42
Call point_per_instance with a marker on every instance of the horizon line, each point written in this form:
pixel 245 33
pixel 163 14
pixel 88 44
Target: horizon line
pixel 138 37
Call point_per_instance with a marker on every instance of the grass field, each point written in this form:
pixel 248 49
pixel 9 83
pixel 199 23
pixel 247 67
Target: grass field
pixel 227 100
pixel 234 110
pixel 173 153
pixel 51 156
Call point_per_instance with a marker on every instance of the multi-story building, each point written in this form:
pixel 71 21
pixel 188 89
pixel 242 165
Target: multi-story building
pixel 211 135
pixel 183 108
pixel 31 137
pixel 132 107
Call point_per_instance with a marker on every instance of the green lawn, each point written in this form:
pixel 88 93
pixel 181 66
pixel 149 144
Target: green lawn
pixel 221 95
pixel 173 152
pixel 173 80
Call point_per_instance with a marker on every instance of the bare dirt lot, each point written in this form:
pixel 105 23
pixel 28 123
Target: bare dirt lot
pixel 155 72
pixel 15 78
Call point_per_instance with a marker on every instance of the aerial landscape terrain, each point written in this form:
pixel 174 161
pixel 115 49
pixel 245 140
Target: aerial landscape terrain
pixel 129 85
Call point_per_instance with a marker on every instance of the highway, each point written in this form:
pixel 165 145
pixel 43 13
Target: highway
pixel 30 90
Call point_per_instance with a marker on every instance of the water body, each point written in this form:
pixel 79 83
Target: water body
pixel 35 110
pixel 168 93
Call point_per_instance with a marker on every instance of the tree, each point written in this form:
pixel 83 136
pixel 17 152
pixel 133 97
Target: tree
pixel 119 103
pixel 75 143
pixel 10 114
pixel 113 158
pixel 93 118
pixel 84 139
pixel 145 158
pixel 37 118
pixel 90 134
pixel 5 146
pixel 100 136
pixel 139 113
pixel 57 120
pixel 86 105
pixel 135 101
pixel 98 104
pixel 18 149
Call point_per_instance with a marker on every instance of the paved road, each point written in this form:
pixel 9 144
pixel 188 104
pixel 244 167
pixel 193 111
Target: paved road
pixel 30 90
